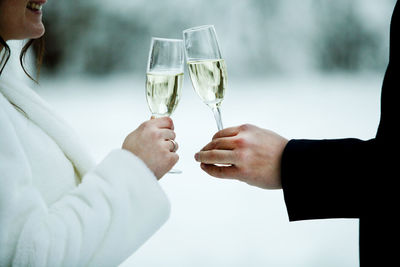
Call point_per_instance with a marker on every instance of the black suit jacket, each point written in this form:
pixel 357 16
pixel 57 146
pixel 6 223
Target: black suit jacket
pixel 351 178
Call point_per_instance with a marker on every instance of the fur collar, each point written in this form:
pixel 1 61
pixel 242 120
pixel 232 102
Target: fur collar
pixel 39 112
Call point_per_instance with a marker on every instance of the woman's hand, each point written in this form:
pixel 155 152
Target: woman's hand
pixel 254 156
pixel 151 142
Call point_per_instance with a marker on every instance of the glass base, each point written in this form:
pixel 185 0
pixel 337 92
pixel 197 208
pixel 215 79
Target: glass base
pixel 175 171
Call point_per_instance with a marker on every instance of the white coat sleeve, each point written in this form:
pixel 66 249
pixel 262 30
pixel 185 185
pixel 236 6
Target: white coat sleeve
pixel 116 208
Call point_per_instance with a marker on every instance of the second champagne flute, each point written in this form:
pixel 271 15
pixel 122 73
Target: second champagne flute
pixel 207 68
pixel 164 77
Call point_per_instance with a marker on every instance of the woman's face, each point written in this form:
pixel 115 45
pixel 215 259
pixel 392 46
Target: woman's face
pixel 21 19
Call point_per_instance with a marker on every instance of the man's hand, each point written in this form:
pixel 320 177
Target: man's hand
pixel 253 155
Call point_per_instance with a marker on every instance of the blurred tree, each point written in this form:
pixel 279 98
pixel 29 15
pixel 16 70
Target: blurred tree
pixel 256 36
pixel 90 39
pixel 344 40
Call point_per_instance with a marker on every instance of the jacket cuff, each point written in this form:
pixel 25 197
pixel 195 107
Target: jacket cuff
pixel 127 170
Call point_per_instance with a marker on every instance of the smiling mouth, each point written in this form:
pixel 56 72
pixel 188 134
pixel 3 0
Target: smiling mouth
pixel 34 6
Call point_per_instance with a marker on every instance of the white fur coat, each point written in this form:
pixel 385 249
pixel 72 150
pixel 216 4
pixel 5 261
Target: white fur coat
pixel 57 208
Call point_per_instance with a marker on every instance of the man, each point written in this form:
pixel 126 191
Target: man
pixel 343 178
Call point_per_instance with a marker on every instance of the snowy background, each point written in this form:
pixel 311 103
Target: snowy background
pixel 309 69
pixel 224 223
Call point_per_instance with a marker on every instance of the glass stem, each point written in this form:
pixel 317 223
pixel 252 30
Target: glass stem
pixel 217 115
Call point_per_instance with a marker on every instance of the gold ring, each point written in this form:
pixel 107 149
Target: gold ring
pixel 175 145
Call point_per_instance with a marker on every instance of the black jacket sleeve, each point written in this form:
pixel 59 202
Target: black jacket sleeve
pixel 328 178
pixel 348 178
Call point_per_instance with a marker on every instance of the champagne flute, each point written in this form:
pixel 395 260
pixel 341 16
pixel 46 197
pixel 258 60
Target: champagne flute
pixel 164 77
pixel 207 68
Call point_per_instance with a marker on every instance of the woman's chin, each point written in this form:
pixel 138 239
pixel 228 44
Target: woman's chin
pixel 37 32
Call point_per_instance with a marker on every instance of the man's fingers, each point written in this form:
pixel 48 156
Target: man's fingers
pixel 216 157
pixel 220 172
pixel 227 132
pixel 226 143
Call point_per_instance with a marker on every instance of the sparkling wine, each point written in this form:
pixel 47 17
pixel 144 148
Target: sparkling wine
pixel 209 78
pixel 163 91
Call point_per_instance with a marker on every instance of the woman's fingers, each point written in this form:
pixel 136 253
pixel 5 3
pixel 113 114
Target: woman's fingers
pixel 163 122
pixel 166 134
pixel 171 145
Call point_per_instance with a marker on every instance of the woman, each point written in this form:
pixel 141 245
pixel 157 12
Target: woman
pixel 56 206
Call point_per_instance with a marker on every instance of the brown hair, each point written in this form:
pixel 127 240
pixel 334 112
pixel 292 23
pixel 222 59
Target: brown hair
pixel 38 45
pixel 6 56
